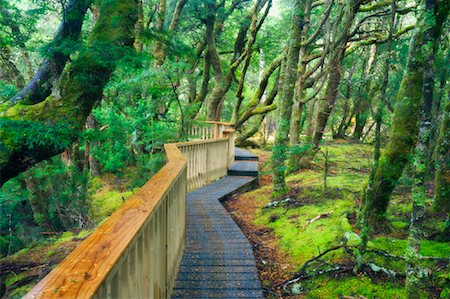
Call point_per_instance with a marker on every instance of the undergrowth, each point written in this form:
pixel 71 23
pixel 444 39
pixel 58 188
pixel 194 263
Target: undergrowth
pixel 312 220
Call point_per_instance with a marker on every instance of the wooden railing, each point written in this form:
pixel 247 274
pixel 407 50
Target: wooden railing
pixel 136 252
pixel 210 130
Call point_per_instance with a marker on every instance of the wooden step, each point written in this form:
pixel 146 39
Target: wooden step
pixel 244 155
pixel 244 168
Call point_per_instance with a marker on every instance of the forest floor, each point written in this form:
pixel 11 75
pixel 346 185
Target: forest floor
pixel 19 272
pixel 312 220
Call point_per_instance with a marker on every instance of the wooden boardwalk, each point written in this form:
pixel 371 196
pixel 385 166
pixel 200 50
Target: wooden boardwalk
pixel 218 261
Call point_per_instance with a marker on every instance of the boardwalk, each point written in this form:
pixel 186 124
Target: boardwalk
pixel 218 261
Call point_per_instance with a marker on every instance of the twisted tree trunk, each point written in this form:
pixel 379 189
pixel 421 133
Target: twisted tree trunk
pixel 32 133
pixel 52 67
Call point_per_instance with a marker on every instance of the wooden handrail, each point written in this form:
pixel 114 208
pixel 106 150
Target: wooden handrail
pixel 228 124
pixel 136 252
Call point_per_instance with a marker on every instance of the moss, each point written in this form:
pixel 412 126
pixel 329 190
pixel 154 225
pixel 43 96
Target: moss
pixel 20 292
pixel 302 240
pixel 354 286
pixel 106 202
pixel 50 253
pixel 398 247
pixel 81 84
pixel 13 279
pixel 399 225
pixel 64 237
pixel 83 234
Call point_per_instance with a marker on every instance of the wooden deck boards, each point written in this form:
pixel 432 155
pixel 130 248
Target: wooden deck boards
pixel 218 261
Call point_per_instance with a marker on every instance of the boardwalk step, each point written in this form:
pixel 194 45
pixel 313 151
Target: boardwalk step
pixel 243 168
pixel 244 155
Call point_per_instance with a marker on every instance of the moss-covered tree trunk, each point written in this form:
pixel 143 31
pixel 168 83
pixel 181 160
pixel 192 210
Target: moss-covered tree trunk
pixel 364 99
pixel 34 133
pixel 403 135
pixel 299 95
pixel 442 174
pixel 442 161
pixel 279 153
pixel 50 70
pixel 413 270
pixel 431 33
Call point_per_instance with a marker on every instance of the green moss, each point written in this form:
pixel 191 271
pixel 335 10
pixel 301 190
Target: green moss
pixel 106 202
pixel 64 237
pixel 354 286
pixel 398 247
pixel 13 279
pixel 50 253
pixel 399 225
pixel 83 234
pixel 302 240
pixel 20 292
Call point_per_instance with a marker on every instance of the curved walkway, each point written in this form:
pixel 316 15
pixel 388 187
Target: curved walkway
pixel 218 261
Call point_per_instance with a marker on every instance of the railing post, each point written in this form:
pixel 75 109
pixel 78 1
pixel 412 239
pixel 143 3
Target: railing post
pixel 216 131
pixel 229 133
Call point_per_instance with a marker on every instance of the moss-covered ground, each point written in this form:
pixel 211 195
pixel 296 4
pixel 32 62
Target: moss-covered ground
pixel 315 219
pixel 27 266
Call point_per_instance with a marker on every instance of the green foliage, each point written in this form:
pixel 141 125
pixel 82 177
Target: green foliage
pixel 7 91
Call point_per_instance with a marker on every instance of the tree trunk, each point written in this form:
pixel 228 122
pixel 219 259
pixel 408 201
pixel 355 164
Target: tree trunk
pixel 94 163
pixel 9 73
pixel 334 77
pixel 52 67
pixel 38 203
pixel 48 128
pixel 259 118
pixel 279 153
pixel 403 134
pixel 158 51
pixel 442 163
pixel 412 254
pixel 363 102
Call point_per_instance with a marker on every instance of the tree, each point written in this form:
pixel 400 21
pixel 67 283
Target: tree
pixel 404 130
pixel 279 153
pixel 335 68
pixel 32 133
pixel 58 53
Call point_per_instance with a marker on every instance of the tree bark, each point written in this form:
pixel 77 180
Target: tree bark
pixel 442 162
pixel 32 133
pixel 158 51
pixel 404 131
pixel 412 254
pixel 52 67
pixel 9 72
pixel 279 153
pixel 334 77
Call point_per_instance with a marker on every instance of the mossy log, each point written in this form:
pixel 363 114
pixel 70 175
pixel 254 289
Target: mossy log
pixel 37 132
